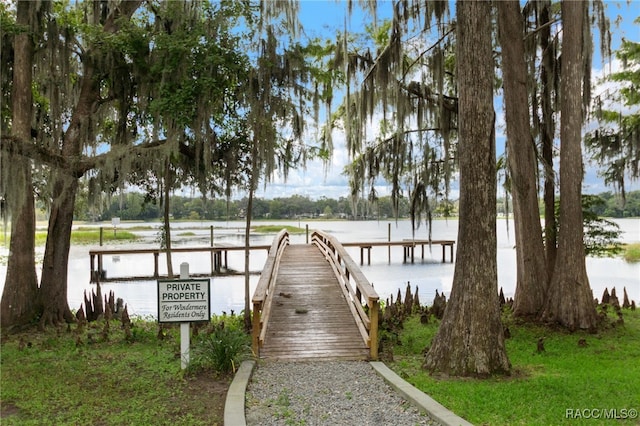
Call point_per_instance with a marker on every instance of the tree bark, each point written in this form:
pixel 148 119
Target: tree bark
pixel 570 299
pixel 547 131
pixel 247 241
pixel 167 221
pixel 53 285
pixel 532 277
pixel 253 183
pixel 19 296
pixel 470 339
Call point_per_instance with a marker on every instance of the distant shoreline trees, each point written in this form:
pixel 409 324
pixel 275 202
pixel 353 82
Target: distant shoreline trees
pixel 134 206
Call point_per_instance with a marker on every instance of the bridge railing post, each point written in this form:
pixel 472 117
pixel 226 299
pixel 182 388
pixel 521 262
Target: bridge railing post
pixel 255 332
pixel 374 308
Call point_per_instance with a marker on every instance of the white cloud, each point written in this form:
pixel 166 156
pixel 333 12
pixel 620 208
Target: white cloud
pixel 316 180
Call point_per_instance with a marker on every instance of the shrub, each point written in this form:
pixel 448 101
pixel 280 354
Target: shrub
pixel 220 348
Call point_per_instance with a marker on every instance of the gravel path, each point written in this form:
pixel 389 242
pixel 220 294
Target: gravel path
pixel 325 393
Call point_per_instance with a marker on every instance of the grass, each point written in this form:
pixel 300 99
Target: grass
pixel 84 236
pixel 64 377
pixel 93 236
pixel 69 376
pixel 187 234
pixel 603 375
pixel 632 252
pixel 267 229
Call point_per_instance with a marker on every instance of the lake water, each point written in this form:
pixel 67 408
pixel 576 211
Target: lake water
pixel 227 293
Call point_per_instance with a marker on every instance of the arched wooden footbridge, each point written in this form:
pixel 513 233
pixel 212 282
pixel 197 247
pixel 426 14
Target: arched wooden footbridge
pixel 313 302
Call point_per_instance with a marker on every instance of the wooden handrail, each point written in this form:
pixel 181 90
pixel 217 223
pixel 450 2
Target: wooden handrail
pixel 355 287
pixel 175 250
pixel 263 295
pixel 397 243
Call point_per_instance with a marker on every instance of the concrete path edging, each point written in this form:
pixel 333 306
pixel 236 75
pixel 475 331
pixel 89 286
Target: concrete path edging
pixel 234 407
pixel 421 400
pixel 234 404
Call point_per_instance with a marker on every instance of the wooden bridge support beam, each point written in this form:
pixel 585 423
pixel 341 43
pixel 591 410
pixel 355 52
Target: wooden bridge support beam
pixel 368 248
pixel 156 258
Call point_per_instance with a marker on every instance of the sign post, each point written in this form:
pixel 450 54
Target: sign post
pixel 184 301
pixel 115 221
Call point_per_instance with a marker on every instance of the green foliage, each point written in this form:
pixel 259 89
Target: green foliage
pixel 161 237
pixel 380 32
pixel 632 252
pixel 276 228
pixel 615 144
pixel 222 346
pixel 92 237
pixel 86 236
pixel 283 409
pixel 134 206
pixel 144 331
pixel 8 21
pixel 617 207
pixel 600 373
pixel 601 236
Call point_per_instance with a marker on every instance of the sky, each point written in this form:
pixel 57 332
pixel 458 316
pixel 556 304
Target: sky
pixel 323 18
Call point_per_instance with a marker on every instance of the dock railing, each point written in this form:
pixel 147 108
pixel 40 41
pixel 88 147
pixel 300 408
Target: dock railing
pixel 263 294
pixel 218 259
pixel 355 287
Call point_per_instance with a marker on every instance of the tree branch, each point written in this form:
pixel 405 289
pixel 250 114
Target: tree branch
pixel 15 146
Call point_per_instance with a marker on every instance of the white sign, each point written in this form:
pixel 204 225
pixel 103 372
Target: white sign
pixel 184 300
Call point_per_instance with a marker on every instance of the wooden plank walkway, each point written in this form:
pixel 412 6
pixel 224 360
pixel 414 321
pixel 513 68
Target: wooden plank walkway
pixel 310 318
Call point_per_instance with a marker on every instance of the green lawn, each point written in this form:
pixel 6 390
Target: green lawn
pixel 566 380
pixel 66 377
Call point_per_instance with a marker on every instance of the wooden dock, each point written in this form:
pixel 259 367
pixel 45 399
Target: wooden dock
pixel 408 247
pixel 310 317
pixel 218 254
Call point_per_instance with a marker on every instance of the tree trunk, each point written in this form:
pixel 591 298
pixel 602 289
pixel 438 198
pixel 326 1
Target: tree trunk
pixel 253 183
pixel 53 286
pixel 532 278
pixel 19 296
pixel 167 222
pixel 470 340
pixel 570 300
pixel 547 131
pixel 247 241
